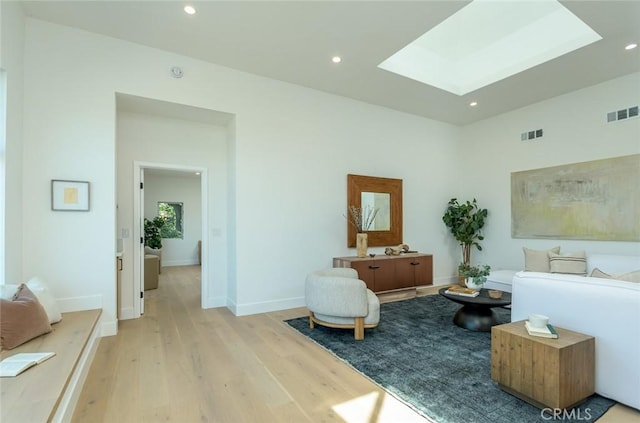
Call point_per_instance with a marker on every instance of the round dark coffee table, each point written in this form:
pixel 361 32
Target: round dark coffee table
pixel 475 313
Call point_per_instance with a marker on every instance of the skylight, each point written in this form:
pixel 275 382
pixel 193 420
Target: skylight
pixel 489 40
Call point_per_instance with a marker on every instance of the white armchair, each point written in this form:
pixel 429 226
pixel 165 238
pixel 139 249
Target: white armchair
pixel 338 299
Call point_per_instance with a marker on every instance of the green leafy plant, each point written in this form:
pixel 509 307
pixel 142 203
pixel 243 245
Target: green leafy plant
pixel 170 227
pixel 465 222
pixel 152 228
pixel 474 271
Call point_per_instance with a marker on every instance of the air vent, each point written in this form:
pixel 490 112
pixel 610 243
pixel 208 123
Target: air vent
pixel 622 114
pixel 531 135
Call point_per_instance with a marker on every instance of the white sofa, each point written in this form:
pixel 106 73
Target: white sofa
pixel 607 309
pixel 500 279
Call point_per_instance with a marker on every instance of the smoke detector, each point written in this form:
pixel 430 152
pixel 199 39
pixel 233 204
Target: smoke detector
pixel 176 72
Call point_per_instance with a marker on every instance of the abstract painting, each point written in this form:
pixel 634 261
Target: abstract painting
pixel 595 200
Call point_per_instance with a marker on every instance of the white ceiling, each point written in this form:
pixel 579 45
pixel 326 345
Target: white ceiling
pixel 294 41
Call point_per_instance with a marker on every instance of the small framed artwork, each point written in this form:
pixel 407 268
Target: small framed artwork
pixel 69 195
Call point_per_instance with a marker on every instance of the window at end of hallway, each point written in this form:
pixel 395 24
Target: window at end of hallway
pixel 172 214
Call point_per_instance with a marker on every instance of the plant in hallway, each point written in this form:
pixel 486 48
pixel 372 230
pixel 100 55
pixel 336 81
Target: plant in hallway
pixel 152 228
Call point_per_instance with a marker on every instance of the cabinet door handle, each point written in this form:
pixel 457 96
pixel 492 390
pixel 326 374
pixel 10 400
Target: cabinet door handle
pixel 374 267
pixel 415 263
pixel 120 260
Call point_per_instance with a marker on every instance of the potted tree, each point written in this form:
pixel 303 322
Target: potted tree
pixel 153 238
pixel 465 221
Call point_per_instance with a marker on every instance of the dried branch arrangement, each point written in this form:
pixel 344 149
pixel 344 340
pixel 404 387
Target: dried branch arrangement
pixel 362 218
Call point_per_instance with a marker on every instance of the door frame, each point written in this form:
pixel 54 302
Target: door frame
pixel 138 230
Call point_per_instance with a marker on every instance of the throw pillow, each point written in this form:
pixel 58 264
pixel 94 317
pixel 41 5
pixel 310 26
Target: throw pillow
pixel 538 260
pixel 22 319
pixel 629 277
pixel 46 298
pixel 597 273
pixel 569 264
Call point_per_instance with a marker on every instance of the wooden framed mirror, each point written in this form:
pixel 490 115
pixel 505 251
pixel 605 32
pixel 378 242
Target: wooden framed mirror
pixel 384 194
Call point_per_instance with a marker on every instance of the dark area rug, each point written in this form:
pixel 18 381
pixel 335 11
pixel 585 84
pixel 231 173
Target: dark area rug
pixel 417 354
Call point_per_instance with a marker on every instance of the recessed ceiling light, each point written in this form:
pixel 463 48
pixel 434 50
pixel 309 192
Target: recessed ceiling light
pixel 189 10
pixel 631 46
pixel 336 59
pixel 197 173
pixel 473 104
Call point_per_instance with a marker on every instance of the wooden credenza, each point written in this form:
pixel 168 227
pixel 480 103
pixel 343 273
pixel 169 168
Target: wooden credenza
pixel 391 273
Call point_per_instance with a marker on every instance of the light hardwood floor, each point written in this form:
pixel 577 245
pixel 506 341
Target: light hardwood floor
pixel 179 363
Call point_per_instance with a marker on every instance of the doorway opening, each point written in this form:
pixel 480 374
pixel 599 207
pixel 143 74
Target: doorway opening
pixel 159 184
pixel 156 135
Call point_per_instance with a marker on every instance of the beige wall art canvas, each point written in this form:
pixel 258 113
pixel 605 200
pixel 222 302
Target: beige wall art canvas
pixel 596 200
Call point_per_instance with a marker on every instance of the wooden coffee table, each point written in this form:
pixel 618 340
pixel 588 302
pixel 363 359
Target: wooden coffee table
pixel 476 312
pixel 555 373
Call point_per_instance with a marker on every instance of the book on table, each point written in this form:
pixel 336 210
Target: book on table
pixel 460 290
pixel 546 332
pixel 18 363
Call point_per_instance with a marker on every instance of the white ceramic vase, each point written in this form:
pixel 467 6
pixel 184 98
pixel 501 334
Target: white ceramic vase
pixel 475 283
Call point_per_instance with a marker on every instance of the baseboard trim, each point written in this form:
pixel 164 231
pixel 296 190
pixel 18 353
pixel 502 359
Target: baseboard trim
pixel 445 280
pixel 70 304
pixel 109 328
pixel 214 302
pixel 127 313
pixel 172 263
pixel 266 306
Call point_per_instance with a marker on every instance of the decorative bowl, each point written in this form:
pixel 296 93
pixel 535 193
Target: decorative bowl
pixel 538 320
pixel 495 294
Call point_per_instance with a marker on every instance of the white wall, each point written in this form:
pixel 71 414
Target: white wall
pixel 575 130
pixel 11 61
pixel 291 152
pixel 177 189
